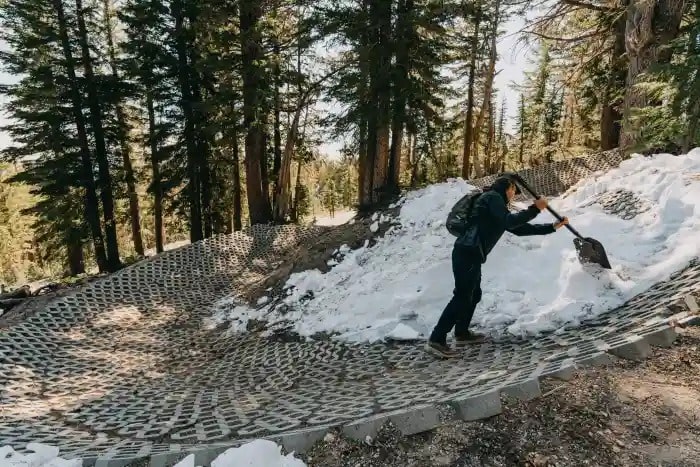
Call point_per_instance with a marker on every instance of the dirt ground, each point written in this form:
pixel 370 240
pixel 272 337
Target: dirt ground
pixel 625 414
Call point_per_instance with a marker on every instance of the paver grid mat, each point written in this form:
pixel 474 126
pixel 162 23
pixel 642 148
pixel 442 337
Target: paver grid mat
pixel 122 369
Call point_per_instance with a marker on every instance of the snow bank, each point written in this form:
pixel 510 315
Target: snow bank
pixel 398 288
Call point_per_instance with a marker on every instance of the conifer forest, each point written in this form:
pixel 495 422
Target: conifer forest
pixel 133 124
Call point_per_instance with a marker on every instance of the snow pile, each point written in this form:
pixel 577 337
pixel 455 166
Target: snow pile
pixel 41 455
pixel 258 453
pixel 398 288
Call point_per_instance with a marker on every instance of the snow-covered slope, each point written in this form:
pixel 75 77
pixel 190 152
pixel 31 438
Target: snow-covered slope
pixel 399 287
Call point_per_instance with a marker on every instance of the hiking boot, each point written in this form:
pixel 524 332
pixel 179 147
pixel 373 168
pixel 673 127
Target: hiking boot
pixel 470 338
pixel 440 350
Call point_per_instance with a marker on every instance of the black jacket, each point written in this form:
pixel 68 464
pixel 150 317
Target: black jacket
pixel 490 218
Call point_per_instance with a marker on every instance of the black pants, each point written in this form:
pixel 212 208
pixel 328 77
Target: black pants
pixel 467 294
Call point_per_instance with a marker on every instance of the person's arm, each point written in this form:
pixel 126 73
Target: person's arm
pixel 538 229
pixel 527 230
pixel 498 211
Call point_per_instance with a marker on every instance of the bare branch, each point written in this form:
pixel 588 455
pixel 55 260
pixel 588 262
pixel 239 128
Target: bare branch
pixel 566 39
pixel 587 6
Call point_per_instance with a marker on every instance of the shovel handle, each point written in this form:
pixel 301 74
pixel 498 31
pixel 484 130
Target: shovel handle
pixel 552 211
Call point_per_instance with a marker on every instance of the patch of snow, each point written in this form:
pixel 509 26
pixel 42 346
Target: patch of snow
pixel 42 455
pixel 233 311
pixel 374 227
pixel 403 332
pixel 342 217
pixel 530 284
pixel 258 453
pixel 263 300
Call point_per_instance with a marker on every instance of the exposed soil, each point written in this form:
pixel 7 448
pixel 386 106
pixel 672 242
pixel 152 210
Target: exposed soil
pixel 625 414
pixel 315 254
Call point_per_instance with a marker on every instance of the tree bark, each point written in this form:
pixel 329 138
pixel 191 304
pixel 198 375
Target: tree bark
pixel 134 211
pixel 203 144
pixel 401 69
pixel 277 131
pixel 488 89
pixel 92 211
pixel 365 159
pixel 382 96
pixel 74 256
pixel 650 26
pixel 611 116
pixel 237 206
pixel 253 96
pixel 378 111
pixel 105 179
pixel 156 183
pixel 283 194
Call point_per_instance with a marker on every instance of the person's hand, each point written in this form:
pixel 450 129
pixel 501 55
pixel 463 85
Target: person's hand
pixel 541 204
pixel 562 223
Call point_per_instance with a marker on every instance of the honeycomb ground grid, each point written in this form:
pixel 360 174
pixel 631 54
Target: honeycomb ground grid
pixel 122 368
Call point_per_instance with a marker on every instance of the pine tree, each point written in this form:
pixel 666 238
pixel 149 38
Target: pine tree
pixel 122 127
pixel 149 65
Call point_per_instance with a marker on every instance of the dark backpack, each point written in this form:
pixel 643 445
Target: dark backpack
pixel 458 218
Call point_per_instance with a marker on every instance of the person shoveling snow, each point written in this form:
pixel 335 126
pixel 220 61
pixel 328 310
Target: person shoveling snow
pixel 645 212
pixel 487 218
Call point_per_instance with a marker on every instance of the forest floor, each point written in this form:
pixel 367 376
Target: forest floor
pixel 624 414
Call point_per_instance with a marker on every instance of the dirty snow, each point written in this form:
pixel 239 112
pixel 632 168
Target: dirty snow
pixel 398 287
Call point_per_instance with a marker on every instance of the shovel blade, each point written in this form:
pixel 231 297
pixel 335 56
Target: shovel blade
pixel 591 250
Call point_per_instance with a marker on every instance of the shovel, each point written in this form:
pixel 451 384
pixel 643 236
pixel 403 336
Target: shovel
pixel 589 249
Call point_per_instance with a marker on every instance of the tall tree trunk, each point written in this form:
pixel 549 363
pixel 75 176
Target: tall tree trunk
pixel 489 164
pixel 366 154
pixel 203 144
pixel 611 116
pixel 92 210
pixel 75 256
pixel 156 183
pixel 415 162
pixel 253 96
pixel 189 131
pixel 468 122
pixel 488 89
pixel 105 179
pixel 523 116
pixel 205 182
pixel 134 211
pixel 382 96
pixel 404 28
pixel 378 121
pixel 283 194
pixel 650 27
pixel 277 131
pixel 264 163
pixel 237 206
